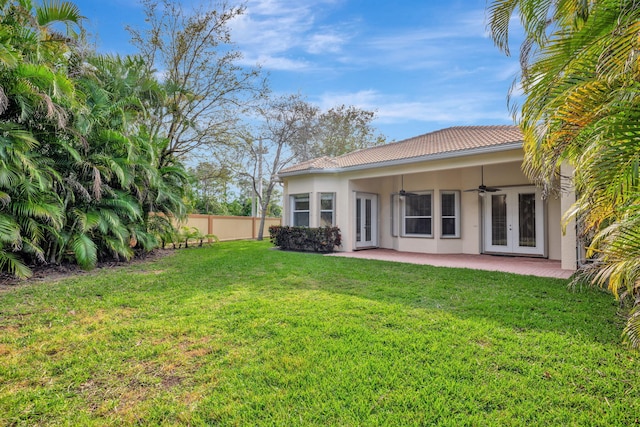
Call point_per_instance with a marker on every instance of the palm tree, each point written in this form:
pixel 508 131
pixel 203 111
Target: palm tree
pixel 79 173
pixel 29 210
pixel 117 178
pixel 581 74
pixel 34 99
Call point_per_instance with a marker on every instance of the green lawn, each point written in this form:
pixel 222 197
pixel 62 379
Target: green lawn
pixel 241 334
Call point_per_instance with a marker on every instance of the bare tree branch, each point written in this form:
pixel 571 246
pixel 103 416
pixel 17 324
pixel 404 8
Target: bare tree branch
pixel 206 90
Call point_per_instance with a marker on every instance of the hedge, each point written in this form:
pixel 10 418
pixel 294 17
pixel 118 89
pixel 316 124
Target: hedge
pixel 323 239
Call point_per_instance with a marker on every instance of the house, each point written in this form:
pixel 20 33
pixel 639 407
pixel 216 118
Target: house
pixel 459 190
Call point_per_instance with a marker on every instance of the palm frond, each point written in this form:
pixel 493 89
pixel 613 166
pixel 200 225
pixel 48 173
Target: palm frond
pixel 109 221
pixel 9 57
pixel 31 230
pixel 37 74
pixel 631 331
pixel 5 199
pixel 87 221
pixel 38 209
pixel 125 205
pixel 10 263
pixel 143 238
pixel 84 249
pixel 53 11
pixel 118 247
pixel 9 230
pixel 8 177
pixel 32 248
pixel 12 133
pixel 580 76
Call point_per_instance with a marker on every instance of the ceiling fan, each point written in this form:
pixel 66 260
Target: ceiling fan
pixel 483 188
pixel 405 193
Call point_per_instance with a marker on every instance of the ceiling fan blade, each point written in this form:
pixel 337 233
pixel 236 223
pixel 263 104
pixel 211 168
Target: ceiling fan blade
pixel 491 189
pixel 483 188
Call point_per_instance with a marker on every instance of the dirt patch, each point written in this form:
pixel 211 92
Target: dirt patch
pixel 54 272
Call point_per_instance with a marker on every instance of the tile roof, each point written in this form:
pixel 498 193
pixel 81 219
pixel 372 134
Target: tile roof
pixel 450 140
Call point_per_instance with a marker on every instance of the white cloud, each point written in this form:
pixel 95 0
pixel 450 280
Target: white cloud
pixel 365 99
pixel 280 32
pixel 474 23
pixel 294 36
pixel 279 63
pixel 325 43
pixel 459 42
pixel 509 72
pixel 424 76
pixel 392 109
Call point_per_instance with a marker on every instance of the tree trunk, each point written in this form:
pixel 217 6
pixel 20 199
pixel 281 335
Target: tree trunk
pixel 261 228
pixel 263 213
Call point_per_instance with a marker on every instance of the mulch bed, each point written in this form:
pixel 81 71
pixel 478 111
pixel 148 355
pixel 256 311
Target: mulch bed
pixel 54 272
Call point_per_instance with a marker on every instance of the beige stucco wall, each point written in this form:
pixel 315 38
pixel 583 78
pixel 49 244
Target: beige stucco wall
pixel 569 252
pixel 229 227
pixel 201 222
pixel 554 228
pixel 315 185
pixel 505 174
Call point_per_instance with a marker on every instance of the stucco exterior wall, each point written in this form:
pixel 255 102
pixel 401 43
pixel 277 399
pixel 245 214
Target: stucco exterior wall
pixel 568 244
pixel 314 185
pixel 554 228
pixel 229 227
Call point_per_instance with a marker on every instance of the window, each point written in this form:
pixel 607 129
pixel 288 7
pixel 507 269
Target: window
pixel 300 210
pixel 327 213
pixel 450 213
pixel 418 214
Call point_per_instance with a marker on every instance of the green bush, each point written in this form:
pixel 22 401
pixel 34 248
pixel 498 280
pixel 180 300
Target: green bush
pixel 323 239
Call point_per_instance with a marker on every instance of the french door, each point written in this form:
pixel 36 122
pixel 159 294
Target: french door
pixel 514 221
pixel 366 220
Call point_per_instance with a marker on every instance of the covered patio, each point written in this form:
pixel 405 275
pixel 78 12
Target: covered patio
pixel 509 264
pixel 459 190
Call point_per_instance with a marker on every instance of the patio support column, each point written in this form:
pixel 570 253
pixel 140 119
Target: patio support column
pixel 569 241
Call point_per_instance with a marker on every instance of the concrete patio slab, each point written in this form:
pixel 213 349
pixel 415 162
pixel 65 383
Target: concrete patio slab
pixel 508 264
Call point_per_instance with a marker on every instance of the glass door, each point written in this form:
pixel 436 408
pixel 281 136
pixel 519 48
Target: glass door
pixel 514 221
pixel 366 220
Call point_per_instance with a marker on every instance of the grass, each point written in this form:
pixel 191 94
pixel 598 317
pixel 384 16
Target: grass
pixel 239 334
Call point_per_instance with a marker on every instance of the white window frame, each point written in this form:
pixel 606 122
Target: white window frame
pixel 405 216
pixel 395 207
pixel 292 201
pixel 455 216
pixel 332 210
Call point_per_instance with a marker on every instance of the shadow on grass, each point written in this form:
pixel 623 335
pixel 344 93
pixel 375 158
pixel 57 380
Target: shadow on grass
pixel 523 303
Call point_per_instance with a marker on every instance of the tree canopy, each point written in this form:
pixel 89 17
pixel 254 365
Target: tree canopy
pixel 290 129
pixel 581 75
pixel 79 170
pixel 334 132
pixel 206 90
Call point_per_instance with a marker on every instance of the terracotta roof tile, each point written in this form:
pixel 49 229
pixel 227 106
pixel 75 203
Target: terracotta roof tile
pixel 453 139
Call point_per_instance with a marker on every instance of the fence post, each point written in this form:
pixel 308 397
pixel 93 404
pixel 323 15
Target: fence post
pixel 210 227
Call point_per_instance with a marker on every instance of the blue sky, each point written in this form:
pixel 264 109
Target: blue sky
pixel 422 65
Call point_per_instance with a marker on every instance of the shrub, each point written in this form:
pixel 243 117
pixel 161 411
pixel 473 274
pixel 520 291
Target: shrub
pixel 323 239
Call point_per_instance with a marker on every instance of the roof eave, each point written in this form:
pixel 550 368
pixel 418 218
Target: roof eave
pixel 405 161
